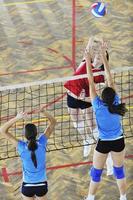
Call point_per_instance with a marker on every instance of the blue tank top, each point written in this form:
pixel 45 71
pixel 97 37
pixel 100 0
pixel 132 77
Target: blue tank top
pixel 109 125
pixel 30 173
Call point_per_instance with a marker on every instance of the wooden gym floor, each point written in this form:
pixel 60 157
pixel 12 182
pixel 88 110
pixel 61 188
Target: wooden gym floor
pixel 39 40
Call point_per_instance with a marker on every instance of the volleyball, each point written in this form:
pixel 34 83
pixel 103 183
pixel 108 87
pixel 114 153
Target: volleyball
pixel 99 9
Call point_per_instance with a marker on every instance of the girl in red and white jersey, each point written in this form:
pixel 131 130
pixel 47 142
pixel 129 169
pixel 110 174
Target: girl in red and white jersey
pixel 79 105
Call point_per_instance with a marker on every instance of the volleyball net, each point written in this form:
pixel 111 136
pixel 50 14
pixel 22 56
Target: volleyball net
pixel 51 95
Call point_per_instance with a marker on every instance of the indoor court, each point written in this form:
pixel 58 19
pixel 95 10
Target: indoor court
pixel 41 44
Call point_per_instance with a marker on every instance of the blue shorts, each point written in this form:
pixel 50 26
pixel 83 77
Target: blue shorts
pixel 32 189
pixel 76 103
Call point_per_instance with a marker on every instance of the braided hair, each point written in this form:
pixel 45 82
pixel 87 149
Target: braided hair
pixel 30 134
pixel 108 95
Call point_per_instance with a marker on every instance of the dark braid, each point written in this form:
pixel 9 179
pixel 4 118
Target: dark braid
pixel 32 146
pixel 30 134
pixel 119 109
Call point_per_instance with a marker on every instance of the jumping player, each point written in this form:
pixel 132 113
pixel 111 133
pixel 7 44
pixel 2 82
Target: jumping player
pixel 79 105
pixel 108 112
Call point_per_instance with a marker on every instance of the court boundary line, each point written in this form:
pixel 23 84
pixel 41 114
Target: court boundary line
pixel 73 55
pixel 23 2
pixel 4 173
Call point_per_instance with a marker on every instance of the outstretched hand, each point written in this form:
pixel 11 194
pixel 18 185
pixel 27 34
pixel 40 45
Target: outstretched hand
pixel 87 56
pixel 22 115
pixel 104 47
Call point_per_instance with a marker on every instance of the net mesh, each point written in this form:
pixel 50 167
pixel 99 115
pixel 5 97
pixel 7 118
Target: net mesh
pixel 52 96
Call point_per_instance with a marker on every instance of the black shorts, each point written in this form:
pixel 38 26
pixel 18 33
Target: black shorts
pixel 76 103
pixel 31 191
pixel 107 146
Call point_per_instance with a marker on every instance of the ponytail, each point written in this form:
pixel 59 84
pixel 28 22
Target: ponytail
pixel 108 97
pixel 32 146
pixel 119 109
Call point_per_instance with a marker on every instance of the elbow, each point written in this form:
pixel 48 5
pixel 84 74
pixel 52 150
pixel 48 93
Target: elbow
pixel 53 122
pixel 3 131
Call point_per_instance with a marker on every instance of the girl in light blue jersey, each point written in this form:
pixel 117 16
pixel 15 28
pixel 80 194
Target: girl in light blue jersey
pixel 108 112
pixel 33 156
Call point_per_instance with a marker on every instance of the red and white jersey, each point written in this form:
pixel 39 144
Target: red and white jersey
pixel 77 86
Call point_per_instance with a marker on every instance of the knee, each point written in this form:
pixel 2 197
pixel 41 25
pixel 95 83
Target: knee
pixel 96 174
pixel 119 172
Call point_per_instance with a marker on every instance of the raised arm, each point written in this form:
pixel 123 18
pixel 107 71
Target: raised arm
pixel 4 129
pixel 92 89
pixel 109 79
pixel 52 122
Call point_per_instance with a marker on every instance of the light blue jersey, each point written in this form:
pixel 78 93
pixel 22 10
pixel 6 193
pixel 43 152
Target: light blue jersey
pixel 30 173
pixel 109 125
